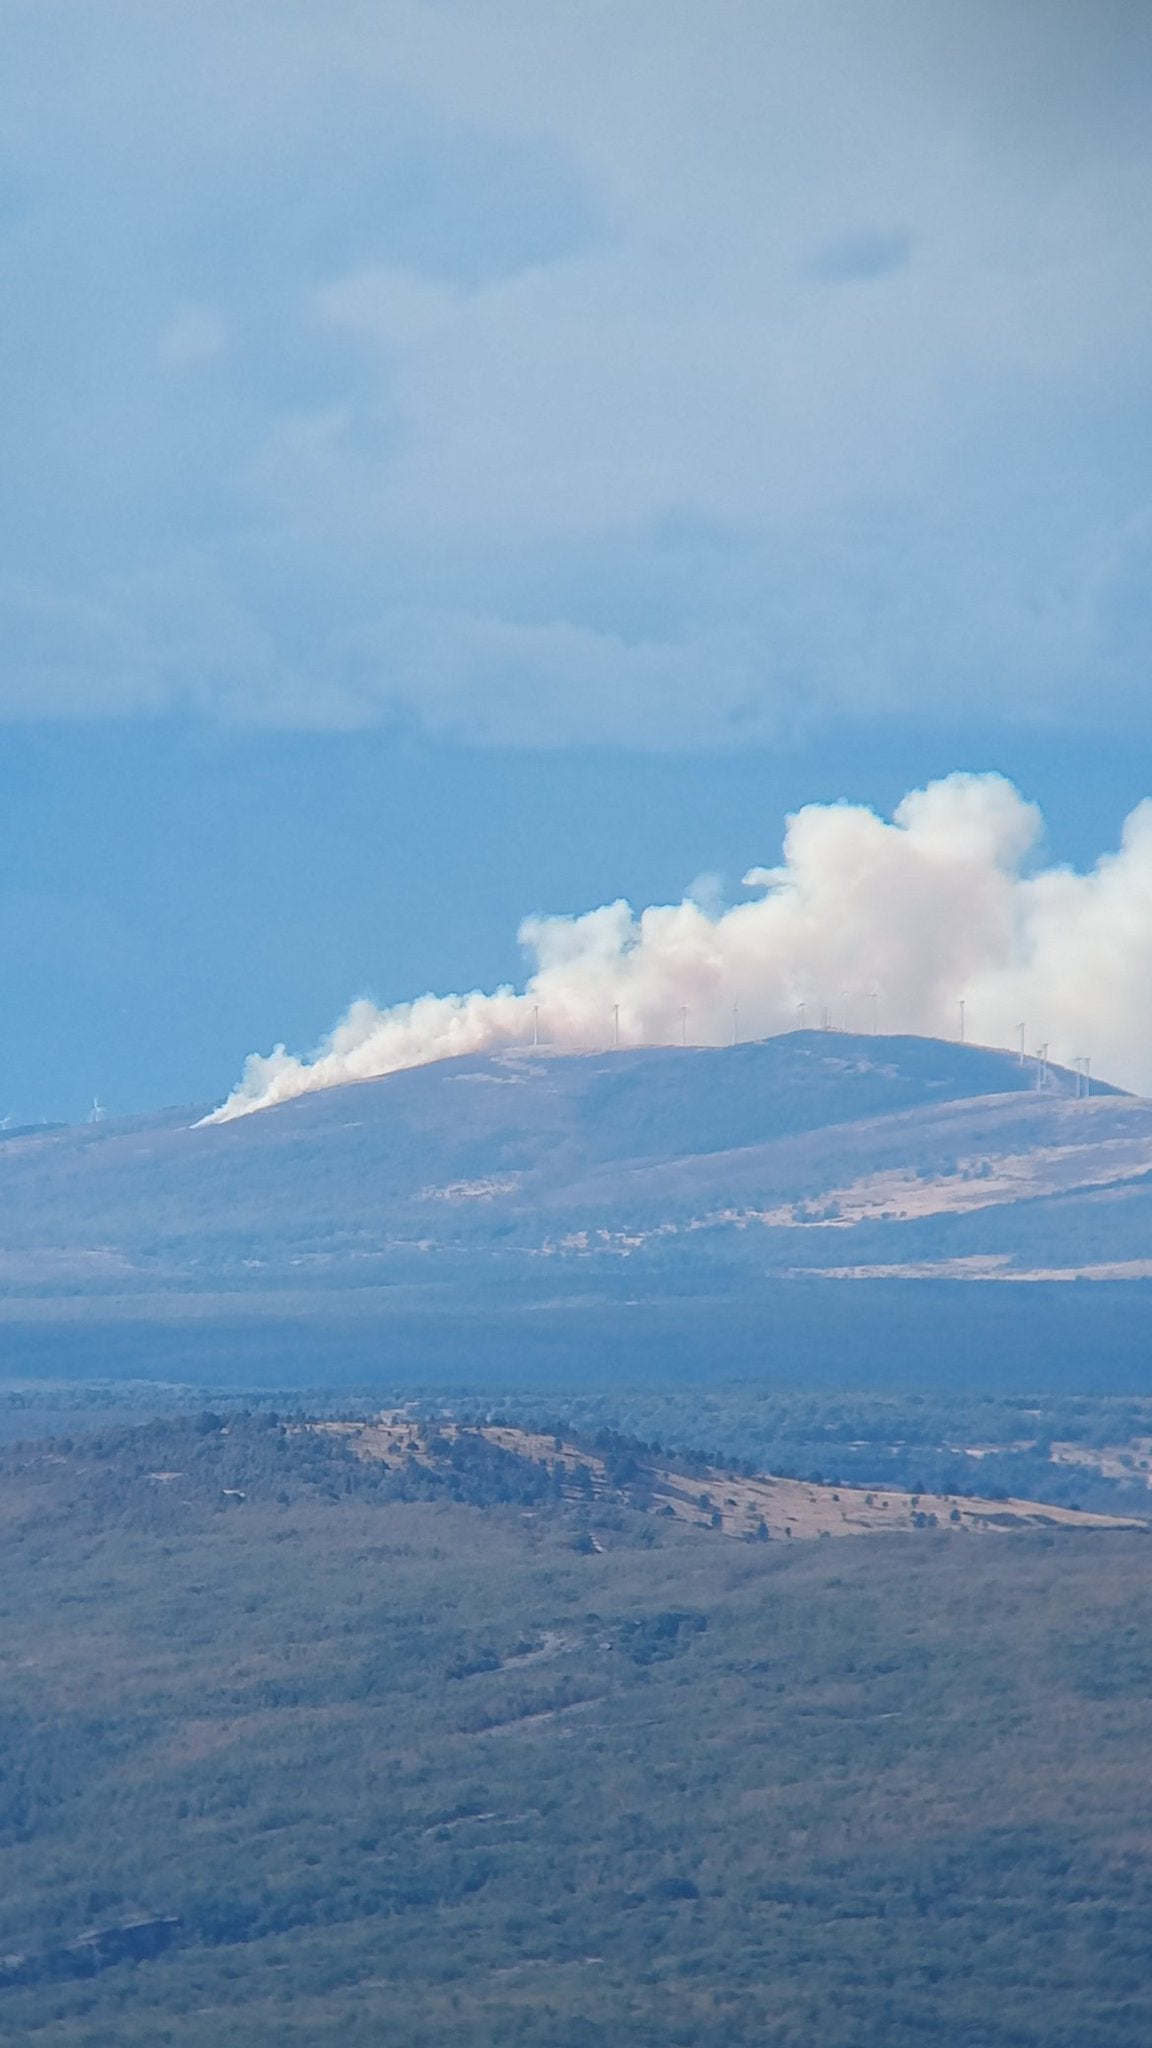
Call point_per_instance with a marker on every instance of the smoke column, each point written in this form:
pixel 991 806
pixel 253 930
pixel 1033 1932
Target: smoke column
pixel 936 905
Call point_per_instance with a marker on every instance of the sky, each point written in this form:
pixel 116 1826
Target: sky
pixel 462 462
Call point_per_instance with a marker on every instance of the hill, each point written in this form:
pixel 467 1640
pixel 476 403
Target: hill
pixel 305 1751
pixel 754 1506
pixel 527 1179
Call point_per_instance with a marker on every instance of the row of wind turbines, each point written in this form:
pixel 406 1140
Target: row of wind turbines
pixel 1081 1065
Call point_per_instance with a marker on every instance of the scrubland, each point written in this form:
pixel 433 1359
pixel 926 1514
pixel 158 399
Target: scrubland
pixel 450 1756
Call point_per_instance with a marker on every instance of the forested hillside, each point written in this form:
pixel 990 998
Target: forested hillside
pixel 305 1747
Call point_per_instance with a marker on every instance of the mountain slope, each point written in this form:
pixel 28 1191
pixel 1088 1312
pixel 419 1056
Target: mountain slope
pixel 811 1152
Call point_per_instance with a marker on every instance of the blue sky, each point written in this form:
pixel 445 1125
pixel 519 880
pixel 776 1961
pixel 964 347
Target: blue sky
pixel 465 460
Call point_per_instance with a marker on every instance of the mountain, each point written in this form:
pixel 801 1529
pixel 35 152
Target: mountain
pixel 535 1178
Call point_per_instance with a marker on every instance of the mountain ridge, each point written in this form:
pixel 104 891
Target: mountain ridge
pixel 545 1183
pixel 549 1154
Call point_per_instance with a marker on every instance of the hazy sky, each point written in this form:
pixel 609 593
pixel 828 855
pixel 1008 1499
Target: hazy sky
pixel 462 458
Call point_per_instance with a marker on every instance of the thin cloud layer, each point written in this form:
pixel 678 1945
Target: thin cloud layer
pixel 866 922
pixel 655 376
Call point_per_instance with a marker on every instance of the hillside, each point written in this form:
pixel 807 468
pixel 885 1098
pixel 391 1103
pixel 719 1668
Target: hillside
pixel 753 1506
pixel 527 1178
pixel 302 1751
pixel 802 1149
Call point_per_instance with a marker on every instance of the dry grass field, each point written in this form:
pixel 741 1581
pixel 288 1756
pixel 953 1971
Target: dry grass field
pixel 727 1501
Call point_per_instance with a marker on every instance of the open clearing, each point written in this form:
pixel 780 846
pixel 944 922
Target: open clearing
pixel 727 1502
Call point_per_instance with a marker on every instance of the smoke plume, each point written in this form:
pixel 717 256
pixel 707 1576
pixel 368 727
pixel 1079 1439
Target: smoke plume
pixel 866 924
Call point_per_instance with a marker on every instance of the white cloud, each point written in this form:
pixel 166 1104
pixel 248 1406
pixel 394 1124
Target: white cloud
pixel 644 374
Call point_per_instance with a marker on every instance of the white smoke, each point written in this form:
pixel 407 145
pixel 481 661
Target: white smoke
pixel 867 923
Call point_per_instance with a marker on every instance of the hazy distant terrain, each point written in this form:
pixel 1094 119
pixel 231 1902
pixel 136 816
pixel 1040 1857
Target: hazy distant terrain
pixel 559 1187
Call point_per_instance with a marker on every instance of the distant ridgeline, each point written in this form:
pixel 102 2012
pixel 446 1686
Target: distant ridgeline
pixel 150 1476
pixel 559 1204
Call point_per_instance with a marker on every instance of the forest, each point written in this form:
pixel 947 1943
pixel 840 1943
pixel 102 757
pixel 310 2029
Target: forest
pixel 301 1749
